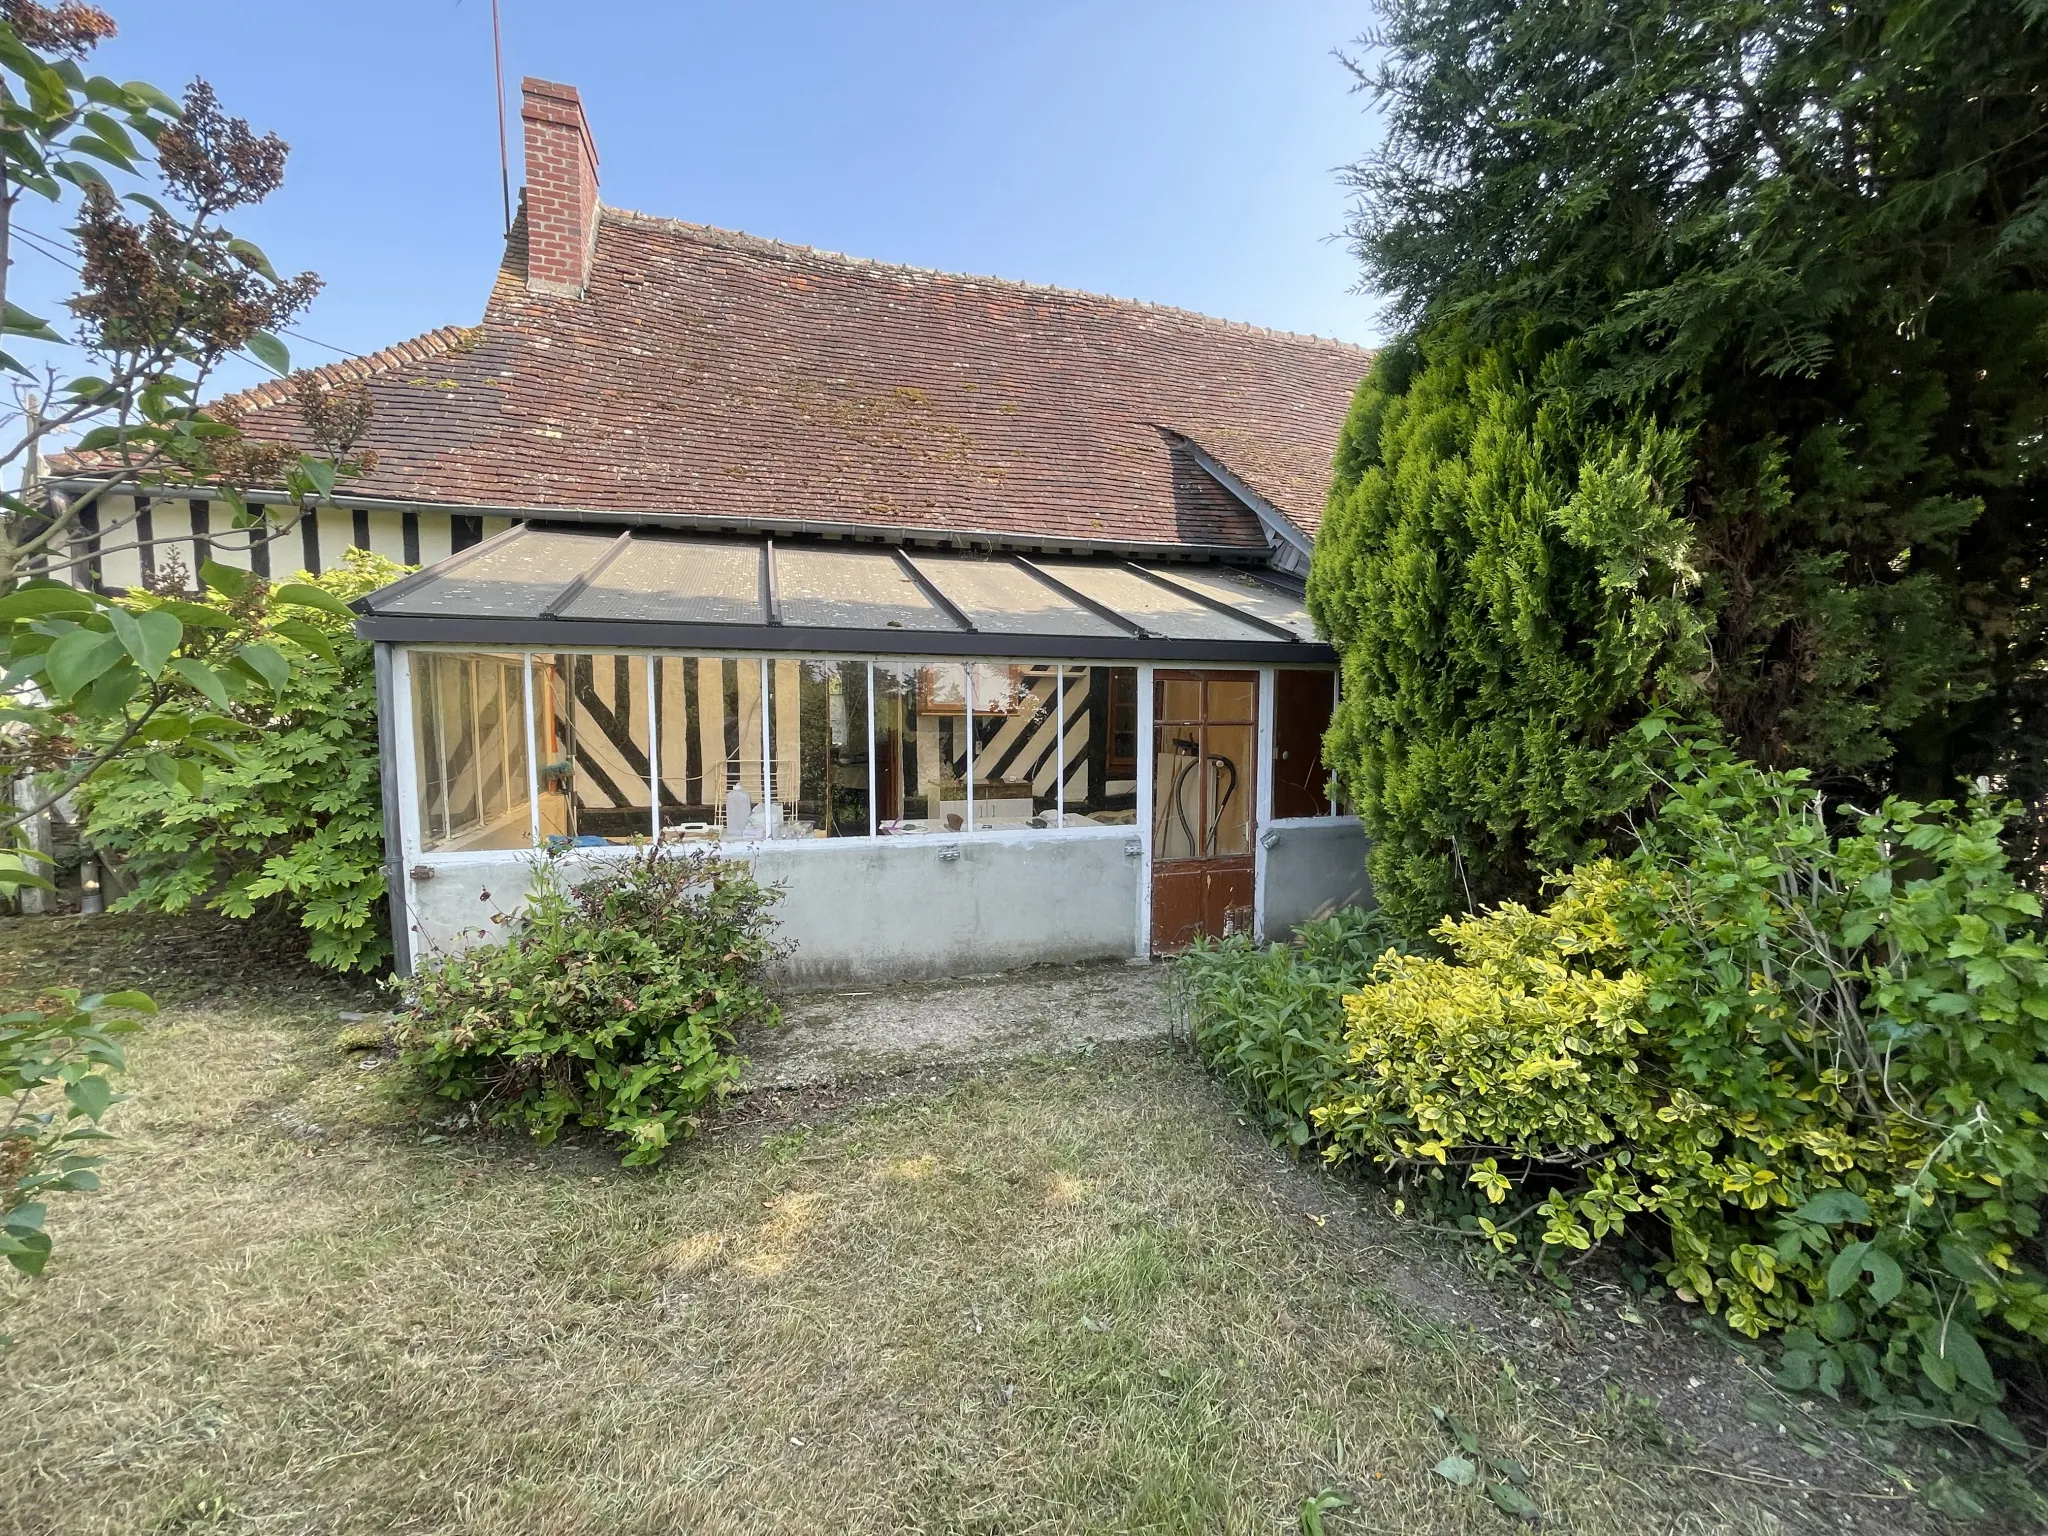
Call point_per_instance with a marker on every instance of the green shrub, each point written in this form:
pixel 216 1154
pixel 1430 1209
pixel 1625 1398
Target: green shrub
pixel 612 1005
pixel 1802 1065
pixel 57 1063
pixel 294 825
pixel 1271 1019
pixel 1507 574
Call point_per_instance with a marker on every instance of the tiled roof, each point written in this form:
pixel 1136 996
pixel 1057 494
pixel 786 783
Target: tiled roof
pixel 724 376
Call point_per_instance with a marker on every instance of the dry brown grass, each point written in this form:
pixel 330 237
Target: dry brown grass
pixel 1053 1298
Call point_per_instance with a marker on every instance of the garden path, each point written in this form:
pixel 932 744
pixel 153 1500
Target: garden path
pixel 1043 1010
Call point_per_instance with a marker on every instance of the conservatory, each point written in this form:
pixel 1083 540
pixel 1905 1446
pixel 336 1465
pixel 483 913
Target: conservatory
pixel 952 762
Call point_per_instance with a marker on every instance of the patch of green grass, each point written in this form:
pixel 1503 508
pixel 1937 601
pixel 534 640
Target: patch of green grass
pixel 1047 1299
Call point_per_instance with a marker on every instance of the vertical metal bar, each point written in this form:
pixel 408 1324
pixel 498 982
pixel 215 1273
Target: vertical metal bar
pixel 653 747
pixel 767 766
pixel 967 673
pixel 1262 764
pixel 1059 698
pixel 1330 782
pixel 1145 774
pixel 874 810
pixel 532 748
pixel 394 721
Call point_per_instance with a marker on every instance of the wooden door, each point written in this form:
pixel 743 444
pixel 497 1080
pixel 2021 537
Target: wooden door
pixel 1204 805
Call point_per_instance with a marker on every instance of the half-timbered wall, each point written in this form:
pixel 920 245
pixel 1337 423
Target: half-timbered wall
pixel 187 531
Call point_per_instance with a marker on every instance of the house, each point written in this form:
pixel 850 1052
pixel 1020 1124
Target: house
pixel 970 611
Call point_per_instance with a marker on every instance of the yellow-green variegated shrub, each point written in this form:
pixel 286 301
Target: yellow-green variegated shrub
pixel 1795 1057
pixel 1523 1042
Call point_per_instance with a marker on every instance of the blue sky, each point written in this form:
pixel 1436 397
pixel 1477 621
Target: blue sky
pixel 1179 152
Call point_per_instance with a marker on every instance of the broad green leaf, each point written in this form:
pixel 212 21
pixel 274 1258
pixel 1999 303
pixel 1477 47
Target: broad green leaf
pixel 1965 1263
pixel 1960 1348
pixel 192 777
pixel 253 256
pixel 12 879
pixel 114 688
pixel 27 1251
pixel 269 663
pixel 300 632
pixel 82 173
pixel 149 637
pixel 1457 1469
pixel 1994 1423
pixel 225 579
pixel 305 596
pixel 1846 1269
pixel 1833 1207
pixel 202 677
pixel 78 659
pixel 1511 1500
pixel 270 352
pixel 33 602
pixel 1885 1276
pixel 162 767
pixel 90 1096
pixel 135 1002
pixel 19 322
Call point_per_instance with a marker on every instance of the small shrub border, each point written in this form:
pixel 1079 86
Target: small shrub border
pixel 612 1005
pixel 1797 1061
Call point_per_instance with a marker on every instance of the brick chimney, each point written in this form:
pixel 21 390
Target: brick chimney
pixel 561 188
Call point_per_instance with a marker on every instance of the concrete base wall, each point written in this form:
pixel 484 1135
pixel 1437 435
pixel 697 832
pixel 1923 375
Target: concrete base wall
pixel 1312 869
pixel 860 911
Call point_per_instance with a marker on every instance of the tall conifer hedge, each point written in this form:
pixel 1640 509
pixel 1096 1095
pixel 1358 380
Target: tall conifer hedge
pixel 1774 271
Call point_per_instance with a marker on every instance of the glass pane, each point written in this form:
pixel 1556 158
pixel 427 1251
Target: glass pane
pixel 591 715
pixel 1235 701
pixel 1177 792
pixel 851 589
pixel 1016 746
pixel 469 730
pixel 1102 746
pixel 1302 701
pixel 1227 784
pixel 1177 698
pixel 920 748
pixel 710 712
pixel 819 729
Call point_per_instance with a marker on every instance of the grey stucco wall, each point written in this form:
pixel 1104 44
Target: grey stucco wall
pixel 1312 869
pixel 887 911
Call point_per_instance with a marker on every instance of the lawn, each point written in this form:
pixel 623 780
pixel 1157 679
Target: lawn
pixel 1052 1296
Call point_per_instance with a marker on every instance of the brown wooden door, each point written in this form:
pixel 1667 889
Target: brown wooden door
pixel 1204 797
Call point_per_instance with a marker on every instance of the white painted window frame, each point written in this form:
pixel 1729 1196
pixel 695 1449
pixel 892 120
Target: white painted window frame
pixel 405 742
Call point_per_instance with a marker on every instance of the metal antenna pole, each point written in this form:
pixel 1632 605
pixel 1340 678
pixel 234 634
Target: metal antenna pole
pixel 504 159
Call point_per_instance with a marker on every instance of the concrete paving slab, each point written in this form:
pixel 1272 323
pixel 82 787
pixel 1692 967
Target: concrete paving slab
pixel 1040 1011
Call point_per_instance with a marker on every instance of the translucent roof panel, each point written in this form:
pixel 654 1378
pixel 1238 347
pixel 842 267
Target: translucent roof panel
pixel 1247 592
pixel 511 580
pixel 658 578
pixel 1002 599
pixel 827 588
pixel 1159 610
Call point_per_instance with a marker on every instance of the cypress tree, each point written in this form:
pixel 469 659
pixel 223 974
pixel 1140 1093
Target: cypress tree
pixel 1806 240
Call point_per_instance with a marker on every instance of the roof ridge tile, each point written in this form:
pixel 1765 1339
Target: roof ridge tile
pixel 438 342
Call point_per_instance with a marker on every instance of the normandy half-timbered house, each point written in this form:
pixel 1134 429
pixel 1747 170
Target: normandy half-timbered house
pixel 969 610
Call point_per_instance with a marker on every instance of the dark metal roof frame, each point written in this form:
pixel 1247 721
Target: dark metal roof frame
pixel 1082 600
pixel 930 589
pixel 1209 600
pixel 621 634
pixel 558 605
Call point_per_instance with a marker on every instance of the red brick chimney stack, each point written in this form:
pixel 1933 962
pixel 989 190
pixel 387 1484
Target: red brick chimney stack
pixel 561 188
